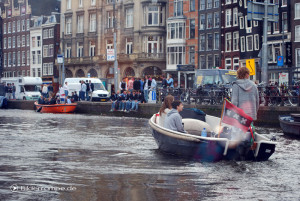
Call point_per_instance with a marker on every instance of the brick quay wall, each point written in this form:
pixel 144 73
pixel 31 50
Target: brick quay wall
pixel 267 116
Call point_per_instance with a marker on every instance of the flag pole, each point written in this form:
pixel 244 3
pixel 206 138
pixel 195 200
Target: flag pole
pixel 221 118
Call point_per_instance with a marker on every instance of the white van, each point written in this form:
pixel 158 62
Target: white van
pixel 27 88
pixel 99 93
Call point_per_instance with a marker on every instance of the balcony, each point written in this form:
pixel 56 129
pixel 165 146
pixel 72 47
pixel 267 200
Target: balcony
pixel 152 56
pixel 83 60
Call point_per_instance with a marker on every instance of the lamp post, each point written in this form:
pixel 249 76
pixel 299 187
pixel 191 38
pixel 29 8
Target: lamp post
pixel 116 75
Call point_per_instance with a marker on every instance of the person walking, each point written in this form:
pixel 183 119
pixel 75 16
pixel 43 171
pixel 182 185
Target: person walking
pixel 13 91
pixel 245 93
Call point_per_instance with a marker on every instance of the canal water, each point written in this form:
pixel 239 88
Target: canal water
pixel 80 157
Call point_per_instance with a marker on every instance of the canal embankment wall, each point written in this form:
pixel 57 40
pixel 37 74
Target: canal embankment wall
pixel 267 116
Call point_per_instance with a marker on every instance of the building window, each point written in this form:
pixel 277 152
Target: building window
pixel 93 18
pixel 9 43
pixel 256 42
pixel 216 3
pixel 242 25
pixel 236 63
pixel 68 50
pixel 228 63
pixel 297 33
pixel 202 4
pixel 153 15
pixel 209 4
pixel 228 18
pixel 209 61
pixel 28 25
pixel 109 44
pixel 228 42
pixel 50 69
pixel 69 4
pixel 209 41
pixel 192 28
pixel 45 34
pixel 69 25
pixel 38 41
pixel 33 57
pixel 33 72
pixel 202 42
pixel 93 2
pixel 202 62
pixel 236 41
pixel 209 21
pixel 51 33
pixel 80 4
pixel 217 60
pixel 235 17
pixel 248 23
pixel 28 40
pixel 19 58
pixel 45 69
pixel 128 45
pixel 192 5
pixel 176 55
pixel 23 25
pixel 4 28
pixel 5 60
pixel 276 27
pixel 23 58
pixel 18 41
pixel 110 19
pixel 80 49
pixel 9 27
pixel 9 59
pixel 92 48
pixel 80 24
pixel 243 44
pixel 202 22
pixel 284 3
pixel 13 26
pixel 297 11
pixel 176 30
pixel 18 26
pixel 23 41
pixel 216 19
pixel 228 2
pixel 45 50
pixel 129 17
pixel 217 41
pixel 192 55
pixel 249 42
pixel 154 45
pixel 285 21
pixel 297 56
pixel 178 8
pixel 4 43
pixel 255 23
pixel 14 42
pixel 51 50
pixel 33 41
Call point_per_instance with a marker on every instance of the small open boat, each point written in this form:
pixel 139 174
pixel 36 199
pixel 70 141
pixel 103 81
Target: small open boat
pixel 56 108
pixel 213 147
pixel 290 124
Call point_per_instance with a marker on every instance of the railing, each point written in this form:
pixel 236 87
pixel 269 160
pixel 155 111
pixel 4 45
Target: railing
pixel 152 56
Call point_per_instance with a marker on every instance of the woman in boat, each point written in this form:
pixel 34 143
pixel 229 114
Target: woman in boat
pixel 245 93
pixel 165 108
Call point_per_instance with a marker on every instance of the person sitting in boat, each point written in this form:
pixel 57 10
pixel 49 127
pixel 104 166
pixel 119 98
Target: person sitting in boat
pixel 173 120
pixel 57 100
pixel 166 107
pixel 52 99
pixel 41 100
pixel 68 100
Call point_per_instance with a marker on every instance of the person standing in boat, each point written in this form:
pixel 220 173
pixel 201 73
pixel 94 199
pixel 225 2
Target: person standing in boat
pixel 166 107
pixel 245 93
pixel 173 120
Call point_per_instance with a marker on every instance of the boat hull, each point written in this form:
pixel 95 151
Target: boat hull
pixel 56 108
pixel 209 148
pixel 289 127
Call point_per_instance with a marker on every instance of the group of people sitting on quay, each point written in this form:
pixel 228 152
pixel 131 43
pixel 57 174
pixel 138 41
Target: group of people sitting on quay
pixel 126 101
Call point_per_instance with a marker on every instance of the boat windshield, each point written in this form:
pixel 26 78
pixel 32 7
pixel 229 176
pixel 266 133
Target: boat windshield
pixel 32 88
pixel 99 86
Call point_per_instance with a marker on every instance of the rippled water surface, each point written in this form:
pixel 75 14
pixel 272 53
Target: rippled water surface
pixel 79 157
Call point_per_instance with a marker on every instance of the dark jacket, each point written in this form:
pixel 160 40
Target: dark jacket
pixel 113 97
pixel 136 85
pixel 164 83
